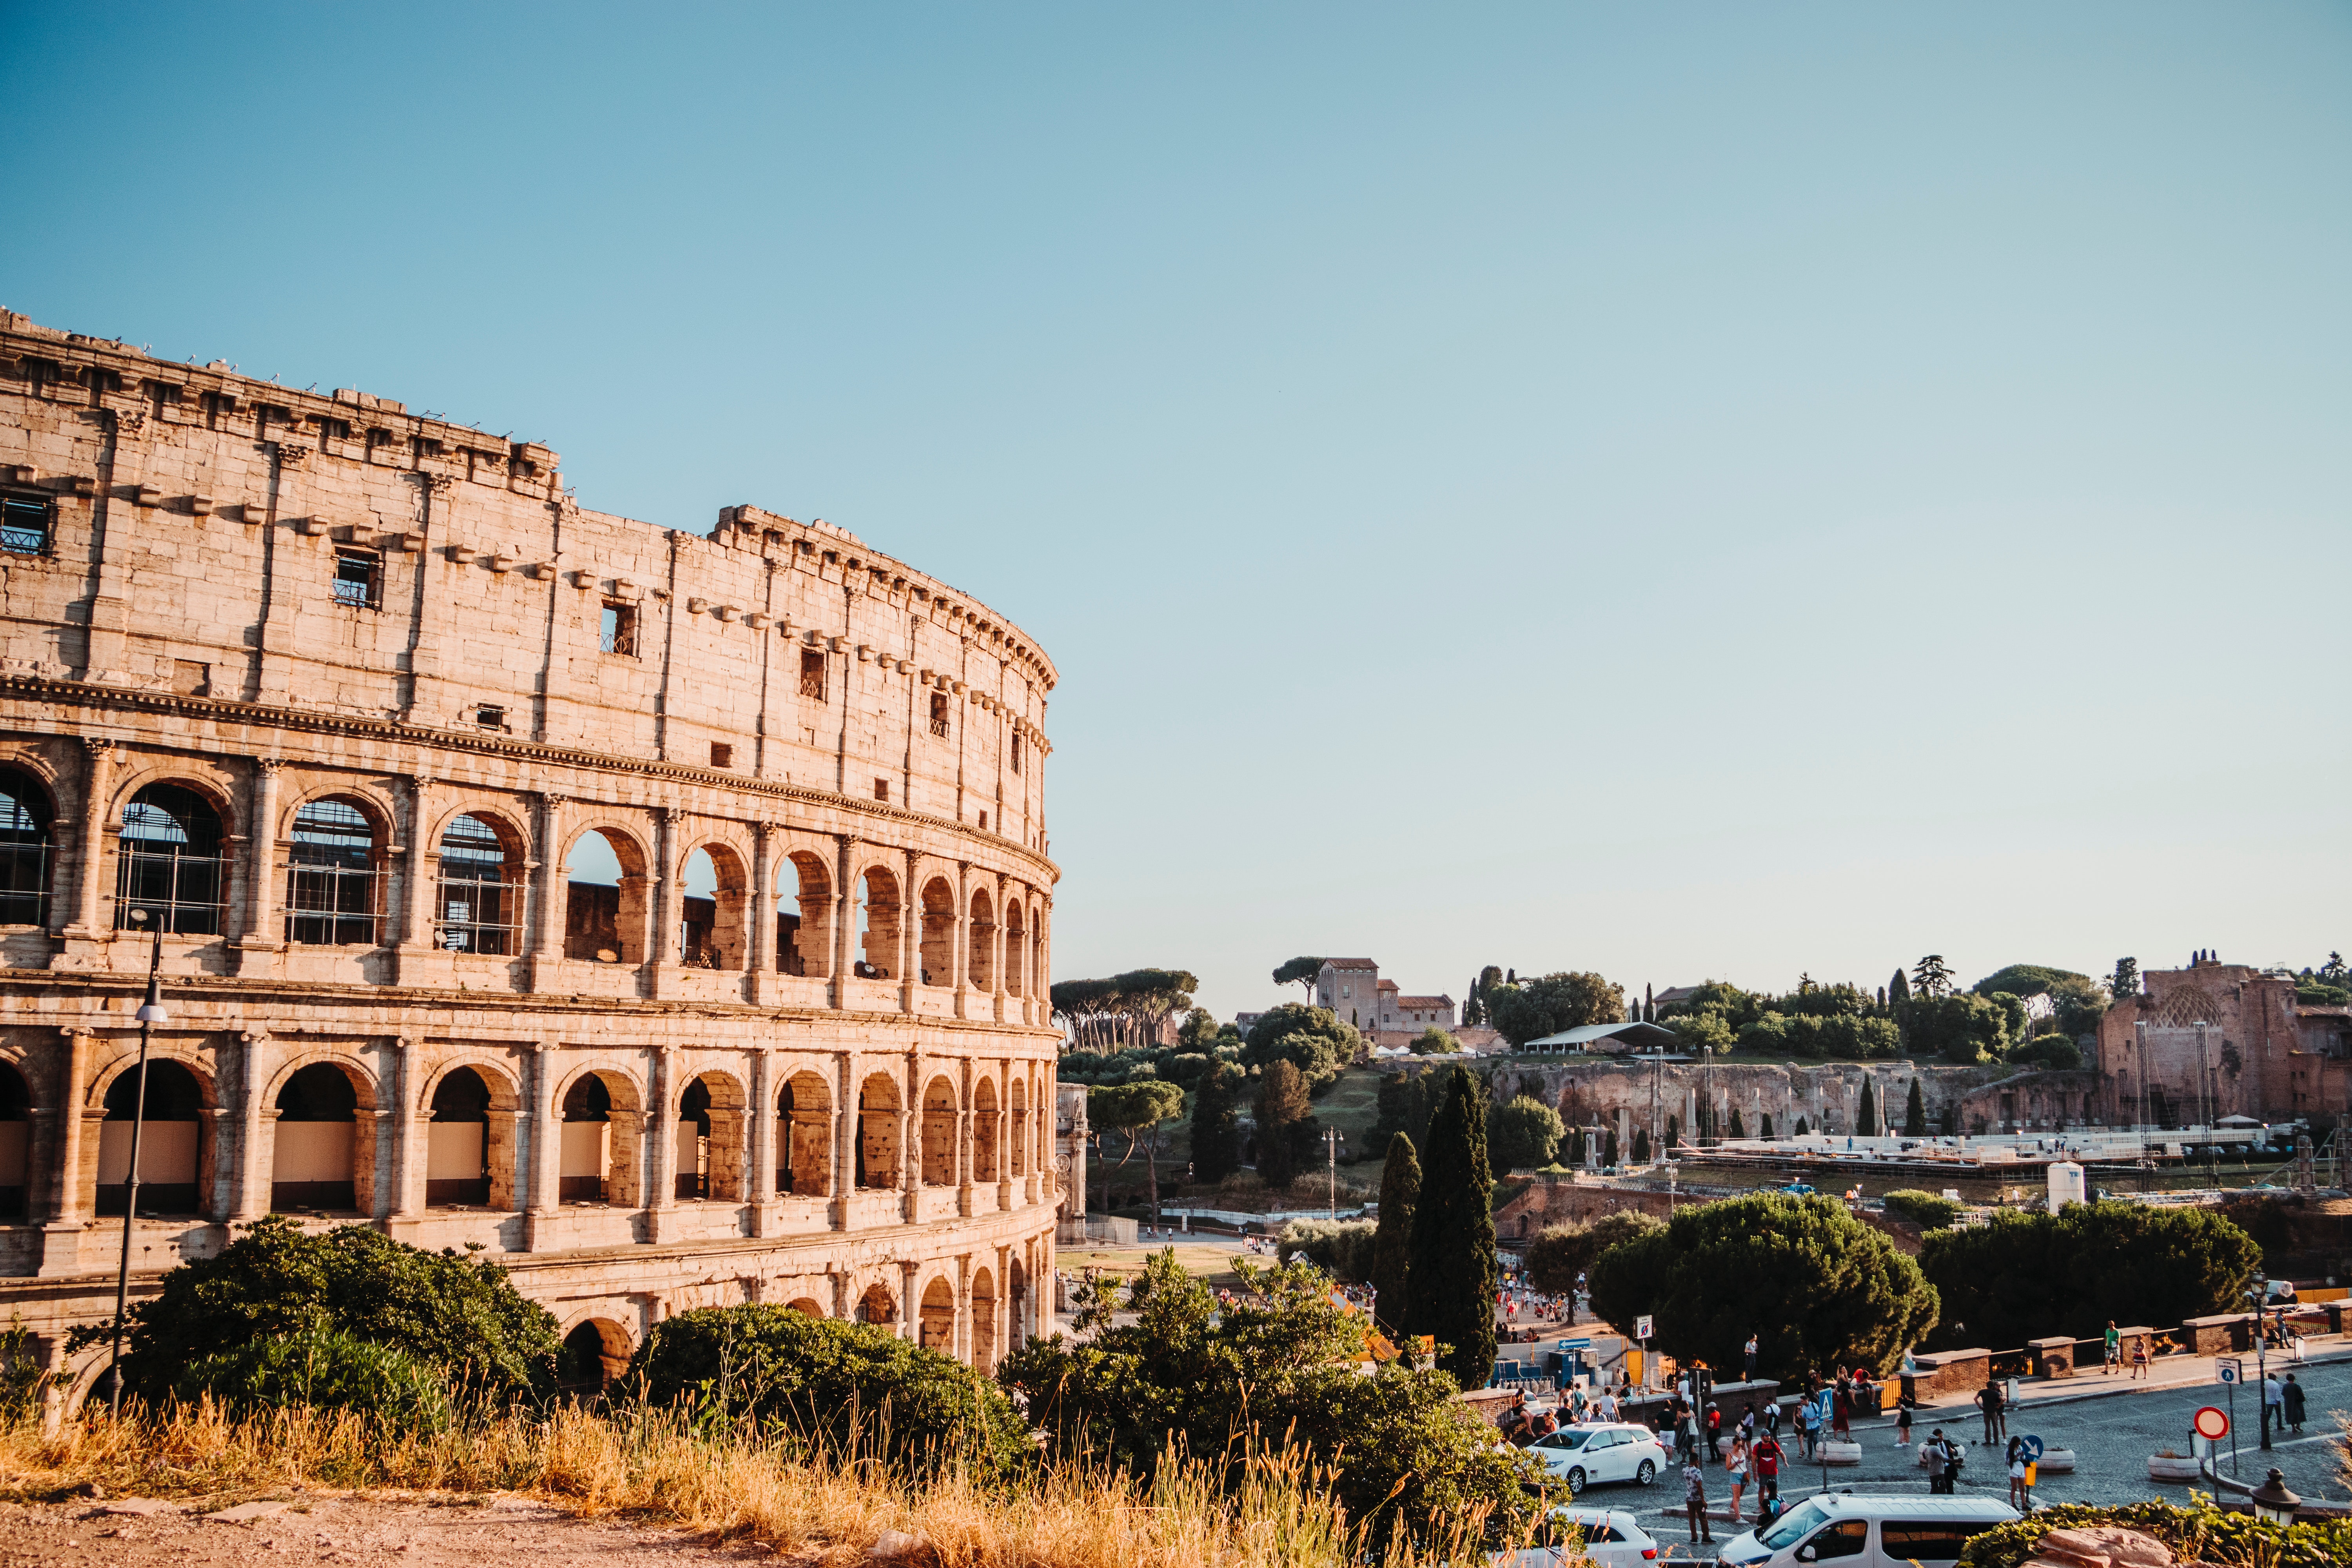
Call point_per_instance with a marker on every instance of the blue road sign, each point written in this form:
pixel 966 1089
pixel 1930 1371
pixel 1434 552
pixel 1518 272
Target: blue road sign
pixel 2229 1373
pixel 2031 1446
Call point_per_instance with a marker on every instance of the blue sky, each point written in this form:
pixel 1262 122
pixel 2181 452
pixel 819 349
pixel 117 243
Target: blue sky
pixel 1677 491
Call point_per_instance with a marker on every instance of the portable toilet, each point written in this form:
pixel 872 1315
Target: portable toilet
pixel 2066 1185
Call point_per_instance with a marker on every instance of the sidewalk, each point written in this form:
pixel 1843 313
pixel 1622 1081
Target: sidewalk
pixel 2165 1372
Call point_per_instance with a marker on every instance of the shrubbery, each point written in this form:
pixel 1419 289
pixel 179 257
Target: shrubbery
pixel 2024 1276
pixel 849 1388
pixel 1524 1135
pixel 1848 1036
pixel 2199 1534
pixel 1924 1209
pixel 1341 1249
pixel 1559 1253
pixel 325 1369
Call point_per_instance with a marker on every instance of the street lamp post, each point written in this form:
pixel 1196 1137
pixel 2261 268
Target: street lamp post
pixel 2272 1501
pixel 2261 1366
pixel 150 1015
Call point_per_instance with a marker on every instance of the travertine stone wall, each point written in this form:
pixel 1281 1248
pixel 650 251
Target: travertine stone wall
pixel 282 603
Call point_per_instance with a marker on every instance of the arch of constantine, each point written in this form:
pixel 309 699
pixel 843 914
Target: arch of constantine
pixel 670 915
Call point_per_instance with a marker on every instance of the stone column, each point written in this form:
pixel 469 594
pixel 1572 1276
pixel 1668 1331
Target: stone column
pixel 1002 1139
pixel 1001 1315
pixel 419 960
pixel 996 939
pixel 97 797
pixel 759 917
pixel 261 903
pixel 961 942
pixel 910 1309
pixel 256 1123
pixel 408 1136
pixel 910 1139
pixel 964 1142
pixel 69 1204
pixel 844 1128
pixel 761 1140
pixel 959 1331
pixel 546 1147
pixel 909 961
pixel 662 906
pixel 844 922
pixel 551 896
pixel 661 1162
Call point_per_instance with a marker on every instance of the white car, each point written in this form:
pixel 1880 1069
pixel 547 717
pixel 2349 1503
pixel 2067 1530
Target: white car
pixel 1610 1537
pixel 1611 1451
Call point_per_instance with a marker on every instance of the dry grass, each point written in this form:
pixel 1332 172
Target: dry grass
pixel 653 1466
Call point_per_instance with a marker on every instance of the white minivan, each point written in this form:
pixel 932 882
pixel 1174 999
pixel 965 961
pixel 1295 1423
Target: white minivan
pixel 1839 1529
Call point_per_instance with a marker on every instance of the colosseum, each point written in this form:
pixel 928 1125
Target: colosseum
pixel 669 915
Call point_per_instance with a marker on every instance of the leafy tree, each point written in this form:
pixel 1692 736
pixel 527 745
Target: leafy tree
pixel 1341 1247
pixel 2025 979
pixel 1137 1110
pixel 1925 1209
pixel 833 1383
pixel 2015 1020
pixel 1709 1028
pixel 2024 1276
pixel 1406 1100
pixel 1434 1042
pixel 1932 977
pixel 1311 1039
pixel 1559 1253
pixel 1811 1000
pixel 1281 1113
pixel 1300 972
pixel 460 1315
pixel 1565 1000
pixel 1216 1124
pixel 1844 1036
pixel 2124 981
pixel 1818 1288
pixel 1865 1118
pixel 1450 1284
pixel 1961 1029
pixel 1276 1365
pixel 1914 1113
pixel 1898 990
pixel 1474 1010
pixel 1125 1010
pixel 323 1369
pixel 2078 1004
pixel 1524 1135
pixel 1199 1031
pixel 1392 1242
pixel 2059 1051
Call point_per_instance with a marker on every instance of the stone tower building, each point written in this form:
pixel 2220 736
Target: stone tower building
pixel 670 915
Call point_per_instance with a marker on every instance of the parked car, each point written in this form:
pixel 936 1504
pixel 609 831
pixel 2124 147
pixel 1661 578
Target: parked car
pixel 1801 1189
pixel 1611 1451
pixel 1610 1537
pixel 1867 1533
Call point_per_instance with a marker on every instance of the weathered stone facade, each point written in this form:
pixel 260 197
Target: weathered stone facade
pixel 2224 1039
pixel 337 693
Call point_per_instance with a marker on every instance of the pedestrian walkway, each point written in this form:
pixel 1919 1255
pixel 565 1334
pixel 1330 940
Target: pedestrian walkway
pixel 2165 1372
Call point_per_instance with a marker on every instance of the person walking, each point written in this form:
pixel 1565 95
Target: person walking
pixel 1748 1357
pixel 1989 1401
pixel 1842 1407
pixel 1764 1457
pixel 2017 1498
pixel 1695 1502
pixel 1735 1466
pixel 2139 1358
pixel 2291 1403
pixel 1713 1431
pixel 2274 1405
pixel 1903 1407
pixel 2115 1351
pixel 1942 1462
pixel 1809 1422
pixel 1773 1418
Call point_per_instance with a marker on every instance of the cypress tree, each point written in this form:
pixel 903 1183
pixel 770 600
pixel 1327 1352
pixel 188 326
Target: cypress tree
pixel 1392 1241
pixel 1640 1145
pixel 1450 1286
pixel 1736 1130
pixel 1898 990
pixel 1216 1126
pixel 1801 1127
pixel 1608 1149
pixel 1764 1125
pixel 1865 1120
pixel 1281 1107
pixel 1914 1113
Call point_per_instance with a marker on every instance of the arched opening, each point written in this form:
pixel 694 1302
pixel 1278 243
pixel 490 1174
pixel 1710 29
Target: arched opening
pixel 710 1140
pixel 710 918
pixel 984 1131
pixel 939 1133
pixel 170 863
pixel 332 874
pixel 314 1156
pixel 1037 986
pixel 938 932
pixel 804 1145
pixel 876 1306
pixel 597 1152
pixel 878 924
pixel 804 931
pixel 1020 1298
pixel 604 900
pixel 1020 1096
pixel 878 1132
pixel 937 1326
pixel 594 1354
pixel 984 1324
pixel 481 889
pixel 470 1142
pixel 15 1141
pixel 982 968
pixel 26 816
pixel 170 1153
pixel 808 1304
pixel 1013 967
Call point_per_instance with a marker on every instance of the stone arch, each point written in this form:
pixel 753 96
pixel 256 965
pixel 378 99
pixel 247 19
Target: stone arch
pixel 938 949
pixel 176 1154
pixel 712 931
pixel 596 1352
pixel 808 1304
pixel 804 1136
pixel 982 971
pixel 1015 948
pixel 877 923
pixel 938 1133
pixel 1019 1096
pixel 984 1324
pixel 1037 985
pixel 936 1321
pixel 602 1118
pixel 805 938
pixel 877 1306
pixel 28 813
pixel 469 1136
pixel 338 843
pixel 709 1134
pixel 986 1132
pixel 480 853
pixel 171 856
pixel 15 1142
pixel 322 1147
pixel 878 1116
pixel 606 923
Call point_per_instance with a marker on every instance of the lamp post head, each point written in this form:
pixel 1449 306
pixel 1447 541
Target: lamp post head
pixel 139 917
pixel 2272 1501
pixel 153 1012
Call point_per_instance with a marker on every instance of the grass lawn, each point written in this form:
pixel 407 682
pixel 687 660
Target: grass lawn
pixel 1213 1264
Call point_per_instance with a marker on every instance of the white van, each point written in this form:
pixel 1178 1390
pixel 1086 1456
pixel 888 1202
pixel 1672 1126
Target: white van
pixel 1839 1529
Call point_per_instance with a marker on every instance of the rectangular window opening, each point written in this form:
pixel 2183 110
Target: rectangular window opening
pixel 881 789
pixel 812 674
pixel 358 579
pixel 939 713
pixel 24 525
pixel 983 822
pixel 618 631
pixel 490 717
pixel 722 755
pixel 1016 753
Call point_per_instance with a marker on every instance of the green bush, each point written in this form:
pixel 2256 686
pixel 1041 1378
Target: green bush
pixel 455 1313
pixel 1962 1029
pixel 2200 1532
pixel 846 1387
pixel 326 1369
pixel 1845 1035
pixel 1341 1249
pixel 1925 1210
pixel 2059 1050
pixel 2025 1275
pixel 1524 1135
pixel 1559 1253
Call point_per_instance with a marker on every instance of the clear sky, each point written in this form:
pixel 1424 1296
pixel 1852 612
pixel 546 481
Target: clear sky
pixel 1682 491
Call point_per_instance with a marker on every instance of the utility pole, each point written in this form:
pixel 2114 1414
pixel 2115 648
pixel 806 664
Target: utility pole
pixel 1331 1166
pixel 150 1015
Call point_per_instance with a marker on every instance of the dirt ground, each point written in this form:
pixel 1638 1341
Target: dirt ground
pixel 332 1527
